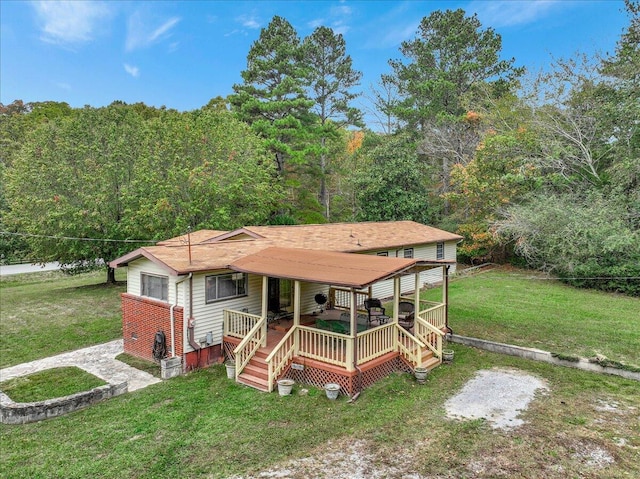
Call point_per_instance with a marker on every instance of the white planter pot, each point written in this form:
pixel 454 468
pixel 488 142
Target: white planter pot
pixel 285 386
pixel 332 390
pixel 231 369
pixel 421 374
pixel 447 355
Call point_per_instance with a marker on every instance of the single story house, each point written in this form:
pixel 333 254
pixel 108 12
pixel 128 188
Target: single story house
pixel 271 297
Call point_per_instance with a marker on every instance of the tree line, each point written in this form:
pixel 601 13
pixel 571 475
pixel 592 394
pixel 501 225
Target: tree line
pixel 542 171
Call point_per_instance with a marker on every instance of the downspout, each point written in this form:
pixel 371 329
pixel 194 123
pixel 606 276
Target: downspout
pixel 192 322
pixel 173 318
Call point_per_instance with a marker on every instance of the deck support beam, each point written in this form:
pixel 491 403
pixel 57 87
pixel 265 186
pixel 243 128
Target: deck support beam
pixel 265 307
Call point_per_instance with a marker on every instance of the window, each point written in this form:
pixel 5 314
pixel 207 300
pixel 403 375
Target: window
pixel 439 250
pixel 155 286
pixel 225 286
pixel 408 252
pixel 382 253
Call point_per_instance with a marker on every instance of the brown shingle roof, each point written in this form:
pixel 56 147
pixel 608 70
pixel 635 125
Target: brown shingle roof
pixel 212 249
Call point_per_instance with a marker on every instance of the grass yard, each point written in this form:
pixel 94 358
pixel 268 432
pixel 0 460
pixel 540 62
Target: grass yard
pixel 48 313
pixel 50 384
pixel 203 425
pixel 528 309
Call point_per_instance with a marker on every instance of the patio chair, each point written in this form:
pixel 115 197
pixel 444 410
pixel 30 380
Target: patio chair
pixel 375 310
pixel 406 314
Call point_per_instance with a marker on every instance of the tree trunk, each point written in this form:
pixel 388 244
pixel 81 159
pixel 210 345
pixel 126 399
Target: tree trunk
pixel 111 275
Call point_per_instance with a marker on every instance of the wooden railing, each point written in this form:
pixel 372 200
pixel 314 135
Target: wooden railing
pixel 434 315
pixel 250 345
pixel 237 324
pixel 340 298
pixel 332 348
pixel 429 335
pixel 376 342
pixel 410 347
pixel 280 357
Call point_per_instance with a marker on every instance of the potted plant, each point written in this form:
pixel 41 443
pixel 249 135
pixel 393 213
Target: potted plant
pixel 447 355
pixel 421 374
pixel 231 369
pixel 285 386
pixel 332 390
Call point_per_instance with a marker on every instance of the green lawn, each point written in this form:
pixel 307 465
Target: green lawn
pixel 49 384
pixel 43 314
pixel 528 309
pixel 203 425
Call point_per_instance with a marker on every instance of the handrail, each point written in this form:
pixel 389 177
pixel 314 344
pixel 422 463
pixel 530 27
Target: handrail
pixel 410 347
pixel 376 342
pixel 340 298
pixel 237 324
pixel 323 345
pixel 428 337
pixel 434 315
pixel 282 353
pixel 249 346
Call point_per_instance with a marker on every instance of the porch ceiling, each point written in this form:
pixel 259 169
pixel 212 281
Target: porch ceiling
pixel 326 267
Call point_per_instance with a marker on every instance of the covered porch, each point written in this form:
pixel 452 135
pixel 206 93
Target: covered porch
pixel 304 349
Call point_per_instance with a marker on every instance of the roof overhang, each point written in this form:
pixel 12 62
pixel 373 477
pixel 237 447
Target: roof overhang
pixel 350 270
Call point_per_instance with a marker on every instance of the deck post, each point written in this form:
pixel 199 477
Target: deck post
pixel 445 295
pixel 351 343
pixel 396 297
pixel 416 292
pixel 296 317
pixel 265 306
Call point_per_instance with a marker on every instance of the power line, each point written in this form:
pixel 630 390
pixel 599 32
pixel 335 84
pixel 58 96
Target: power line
pixel 105 240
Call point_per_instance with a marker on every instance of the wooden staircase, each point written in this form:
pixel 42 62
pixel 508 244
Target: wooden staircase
pixel 256 373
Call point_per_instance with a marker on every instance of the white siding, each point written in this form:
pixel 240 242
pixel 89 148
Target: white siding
pixel 143 265
pixel 384 289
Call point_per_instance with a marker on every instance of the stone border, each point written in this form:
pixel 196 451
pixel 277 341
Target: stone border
pixel 540 355
pixel 12 412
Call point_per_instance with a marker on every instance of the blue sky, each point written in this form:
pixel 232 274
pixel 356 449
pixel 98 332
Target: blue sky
pixel 182 54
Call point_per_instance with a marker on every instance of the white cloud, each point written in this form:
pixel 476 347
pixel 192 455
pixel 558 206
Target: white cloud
pixel 507 13
pixel 131 70
pixel 141 35
pixel 63 86
pixel 315 23
pixel 70 22
pixel 340 11
pixel 395 36
pixel 248 21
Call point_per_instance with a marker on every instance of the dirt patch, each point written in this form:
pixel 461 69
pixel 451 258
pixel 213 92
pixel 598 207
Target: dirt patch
pixel 497 395
pixel 345 460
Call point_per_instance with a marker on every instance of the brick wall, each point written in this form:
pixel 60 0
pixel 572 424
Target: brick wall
pixel 142 318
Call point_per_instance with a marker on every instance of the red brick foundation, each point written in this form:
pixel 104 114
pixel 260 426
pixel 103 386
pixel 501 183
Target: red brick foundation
pixel 203 358
pixel 142 318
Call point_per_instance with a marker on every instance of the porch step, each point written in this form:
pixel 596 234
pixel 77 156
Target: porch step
pixel 253 381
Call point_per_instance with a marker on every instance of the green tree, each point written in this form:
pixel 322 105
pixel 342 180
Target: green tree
pixel 201 169
pixel 449 63
pixel 391 184
pixel 331 78
pixel 272 98
pixel 117 174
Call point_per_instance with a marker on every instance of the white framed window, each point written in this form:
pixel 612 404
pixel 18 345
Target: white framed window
pixel 439 250
pixel 154 286
pixel 225 286
pixel 382 253
pixel 408 252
